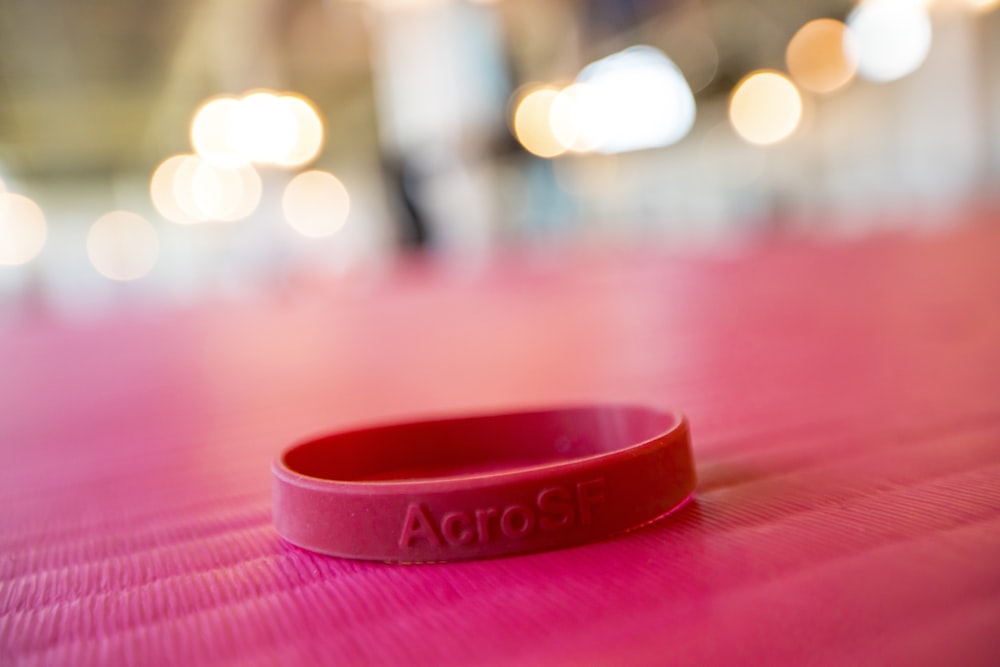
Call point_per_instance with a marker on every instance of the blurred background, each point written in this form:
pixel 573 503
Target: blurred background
pixel 161 151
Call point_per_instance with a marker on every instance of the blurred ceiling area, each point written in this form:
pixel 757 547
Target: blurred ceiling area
pixel 109 85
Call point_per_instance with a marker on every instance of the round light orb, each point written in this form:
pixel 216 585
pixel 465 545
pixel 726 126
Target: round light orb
pixel 315 203
pixel 22 229
pixel 262 128
pixel 765 107
pixel 309 132
pixel 210 136
pixel 532 123
pixel 122 245
pixel 208 193
pixel 891 38
pixel 163 194
pixel 632 100
pixel 821 57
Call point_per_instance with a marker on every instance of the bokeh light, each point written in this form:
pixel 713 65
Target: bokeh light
pixel 211 193
pixel 632 100
pixel 209 134
pixel 187 195
pixel 982 6
pixel 567 115
pixel 161 191
pixel 892 38
pixel 188 189
pixel 22 229
pixel 309 132
pixel 243 196
pixel 122 245
pixel 532 124
pixel 821 56
pixel 315 203
pixel 262 127
pixel 765 107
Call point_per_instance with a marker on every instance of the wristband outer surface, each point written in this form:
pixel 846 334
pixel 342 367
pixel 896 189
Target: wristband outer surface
pixel 483 486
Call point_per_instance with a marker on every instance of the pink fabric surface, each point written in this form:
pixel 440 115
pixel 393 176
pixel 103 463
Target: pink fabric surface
pixel 845 408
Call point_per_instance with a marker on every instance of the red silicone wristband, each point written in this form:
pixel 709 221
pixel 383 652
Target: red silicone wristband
pixel 482 486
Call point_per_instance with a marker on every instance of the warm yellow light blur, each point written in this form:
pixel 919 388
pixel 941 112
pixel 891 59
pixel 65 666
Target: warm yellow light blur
pixel 22 229
pixel 976 6
pixel 209 134
pixel 309 132
pixel 187 189
pixel 182 188
pixel 982 6
pixel 819 56
pixel 122 245
pixel 161 191
pixel 217 194
pixel 315 203
pixel 262 128
pixel 250 191
pixel 765 107
pixel 205 192
pixel 533 126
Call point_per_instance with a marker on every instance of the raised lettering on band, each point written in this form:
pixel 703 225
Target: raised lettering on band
pixel 556 508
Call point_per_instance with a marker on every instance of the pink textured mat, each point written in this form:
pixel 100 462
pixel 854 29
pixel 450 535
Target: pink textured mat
pixel 845 405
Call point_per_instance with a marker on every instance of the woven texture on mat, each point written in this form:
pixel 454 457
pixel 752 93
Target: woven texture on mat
pixel 844 400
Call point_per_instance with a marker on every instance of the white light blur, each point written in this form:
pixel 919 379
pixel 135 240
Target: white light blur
pixel 22 229
pixel 183 188
pixel 212 193
pixel 187 189
pixel 122 245
pixel 570 121
pixel 891 37
pixel 309 132
pixel 315 203
pixel 210 136
pixel 632 100
pixel 161 191
pixel 262 127
pixel 251 190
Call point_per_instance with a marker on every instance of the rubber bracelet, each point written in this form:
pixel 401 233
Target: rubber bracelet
pixel 483 486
